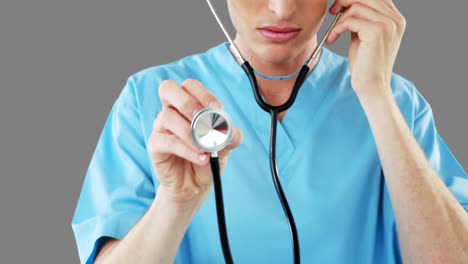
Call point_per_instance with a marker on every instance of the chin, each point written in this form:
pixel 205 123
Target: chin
pixel 277 53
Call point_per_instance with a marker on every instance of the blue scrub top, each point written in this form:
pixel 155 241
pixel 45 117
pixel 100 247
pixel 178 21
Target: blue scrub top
pixel 327 160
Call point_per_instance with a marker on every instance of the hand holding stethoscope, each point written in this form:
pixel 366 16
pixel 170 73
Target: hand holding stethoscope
pixel 182 168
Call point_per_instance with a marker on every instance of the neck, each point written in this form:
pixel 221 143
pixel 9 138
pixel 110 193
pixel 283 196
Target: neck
pixel 278 61
pixel 276 92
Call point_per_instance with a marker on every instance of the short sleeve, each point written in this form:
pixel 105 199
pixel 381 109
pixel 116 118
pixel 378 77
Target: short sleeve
pixel 118 188
pixel 438 153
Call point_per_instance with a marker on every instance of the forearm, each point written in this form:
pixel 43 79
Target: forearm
pixel 432 226
pixel 156 237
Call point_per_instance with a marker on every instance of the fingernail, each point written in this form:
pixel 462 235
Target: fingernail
pixel 202 157
pixel 216 105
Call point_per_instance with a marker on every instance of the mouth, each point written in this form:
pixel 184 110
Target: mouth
pixel 279 34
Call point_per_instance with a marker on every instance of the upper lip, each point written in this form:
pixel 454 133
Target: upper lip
pixel 280 29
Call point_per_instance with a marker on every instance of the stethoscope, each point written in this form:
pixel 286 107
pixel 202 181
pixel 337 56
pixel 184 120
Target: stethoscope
pixel 212 131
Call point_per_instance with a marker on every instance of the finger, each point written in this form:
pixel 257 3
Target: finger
pixel 364 29
pixel 163 86
pixel 361 11
pixel 163 146
pixel 364 12
pixel 236 140
pixel 340 5
pixel 385 7
pixel 201 93
pixel 170 121
pixel 390 4
pixel 172 95
pixel 397 17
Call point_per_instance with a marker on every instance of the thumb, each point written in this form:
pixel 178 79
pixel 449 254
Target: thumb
pixel 236 140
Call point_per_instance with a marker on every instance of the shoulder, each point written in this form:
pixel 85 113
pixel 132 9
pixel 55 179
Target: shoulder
pixel 142 86
pixel 401 86
pixel 141 94
pixel 409 99
pixel 404 90
pixel 187 67
pixel 407 96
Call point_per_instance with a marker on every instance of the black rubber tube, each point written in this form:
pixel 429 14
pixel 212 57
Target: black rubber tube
pixel 274 111
pixel 279 190
pixel 220 210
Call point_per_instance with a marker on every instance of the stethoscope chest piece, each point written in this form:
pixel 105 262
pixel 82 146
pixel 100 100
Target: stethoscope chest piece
pixel 211 129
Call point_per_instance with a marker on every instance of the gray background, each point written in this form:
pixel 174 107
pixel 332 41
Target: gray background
pixel 63 63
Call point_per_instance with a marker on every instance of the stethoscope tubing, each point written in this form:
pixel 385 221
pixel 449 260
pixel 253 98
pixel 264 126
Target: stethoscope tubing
pixel 220 209
pixel 274 111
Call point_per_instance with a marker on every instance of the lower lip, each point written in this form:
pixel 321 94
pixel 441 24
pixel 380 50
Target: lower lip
pixel 278 36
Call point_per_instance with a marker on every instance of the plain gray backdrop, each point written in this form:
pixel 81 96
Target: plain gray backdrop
pixel 63 63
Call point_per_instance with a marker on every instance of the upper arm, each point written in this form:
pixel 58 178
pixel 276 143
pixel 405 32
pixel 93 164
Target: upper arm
pixel 118 188
pixel 437 151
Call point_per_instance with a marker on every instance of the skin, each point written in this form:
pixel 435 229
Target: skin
pixel 432 225
pixel 276 58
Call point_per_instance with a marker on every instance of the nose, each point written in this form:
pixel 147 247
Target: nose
pixel 284 9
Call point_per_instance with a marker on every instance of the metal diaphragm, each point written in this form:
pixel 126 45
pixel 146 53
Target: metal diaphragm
pixel 211 129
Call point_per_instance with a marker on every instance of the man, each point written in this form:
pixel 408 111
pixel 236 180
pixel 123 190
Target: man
pixel 367 176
